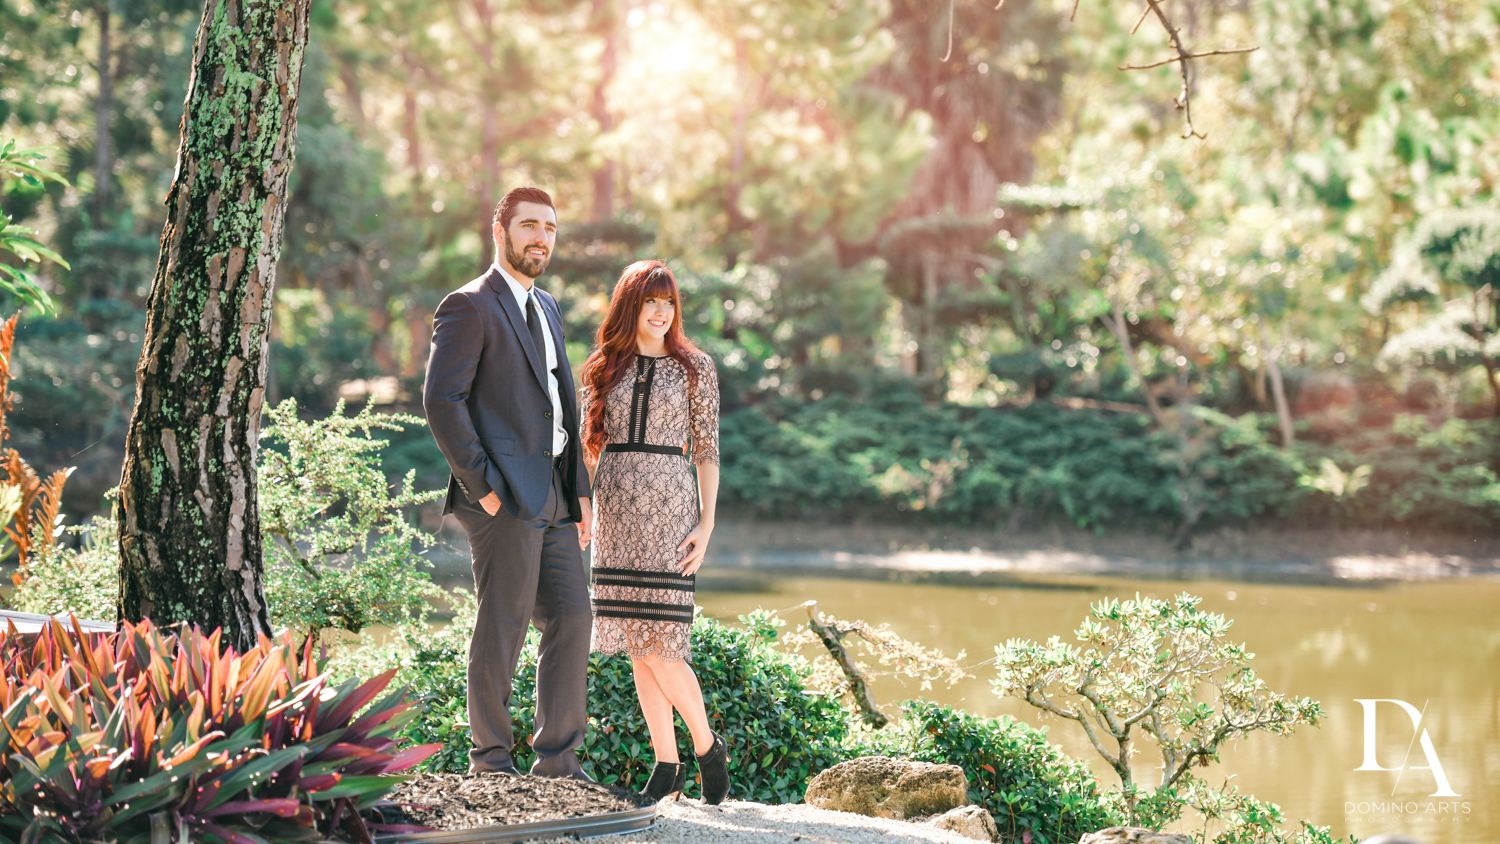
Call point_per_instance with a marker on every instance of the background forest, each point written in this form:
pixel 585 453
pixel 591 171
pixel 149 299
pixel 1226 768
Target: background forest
pixel 996 288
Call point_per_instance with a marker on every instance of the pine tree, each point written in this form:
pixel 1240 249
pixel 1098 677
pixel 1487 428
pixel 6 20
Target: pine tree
pixel 189 526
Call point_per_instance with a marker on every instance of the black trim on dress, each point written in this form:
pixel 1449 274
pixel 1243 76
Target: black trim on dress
pixel 646 616
pixel 675 451
pixel 640 399
pixel 654 575
pixel 686 586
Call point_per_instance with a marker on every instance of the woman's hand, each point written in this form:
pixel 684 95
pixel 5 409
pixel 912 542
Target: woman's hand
pixel 694 546
pixel 586 525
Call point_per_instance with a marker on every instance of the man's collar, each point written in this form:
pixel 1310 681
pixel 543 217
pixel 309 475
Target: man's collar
pixel 514 285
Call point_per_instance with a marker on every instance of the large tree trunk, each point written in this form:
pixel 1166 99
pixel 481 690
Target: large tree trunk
pixel 734 221
pixel 489 179
pixel 1278 388
pixel 189 526
pixel 606 15
pixel 413 141
pixel 103 117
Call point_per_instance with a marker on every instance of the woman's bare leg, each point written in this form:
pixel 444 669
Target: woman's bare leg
pixel 675 680
pixel 656 707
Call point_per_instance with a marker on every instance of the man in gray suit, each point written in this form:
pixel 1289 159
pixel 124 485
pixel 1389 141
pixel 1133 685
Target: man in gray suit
pixel 500 401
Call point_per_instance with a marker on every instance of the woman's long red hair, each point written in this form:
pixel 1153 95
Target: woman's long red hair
pixel 615 346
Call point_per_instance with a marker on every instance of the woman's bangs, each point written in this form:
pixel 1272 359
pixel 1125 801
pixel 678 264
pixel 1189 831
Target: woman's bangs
pixel 659 285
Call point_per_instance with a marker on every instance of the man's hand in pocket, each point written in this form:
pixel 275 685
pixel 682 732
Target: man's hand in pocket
pixel 490 503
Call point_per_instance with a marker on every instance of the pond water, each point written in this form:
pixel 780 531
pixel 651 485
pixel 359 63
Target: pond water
pixel 1435 646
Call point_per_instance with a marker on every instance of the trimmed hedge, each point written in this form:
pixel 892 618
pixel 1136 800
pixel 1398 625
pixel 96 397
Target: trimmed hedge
pixel 890 452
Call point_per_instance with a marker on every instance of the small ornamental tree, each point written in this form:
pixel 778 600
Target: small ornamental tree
pixel 1163 670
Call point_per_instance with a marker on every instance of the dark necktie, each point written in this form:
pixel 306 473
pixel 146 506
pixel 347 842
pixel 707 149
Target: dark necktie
pixel 534 324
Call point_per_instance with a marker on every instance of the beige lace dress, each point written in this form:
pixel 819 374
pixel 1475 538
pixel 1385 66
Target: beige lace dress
pixel 646 502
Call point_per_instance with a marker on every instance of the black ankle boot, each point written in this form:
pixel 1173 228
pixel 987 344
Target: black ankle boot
pixel 713 772
pixel 667 778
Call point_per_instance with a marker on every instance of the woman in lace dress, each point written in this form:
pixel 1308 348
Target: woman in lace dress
pixel 650 416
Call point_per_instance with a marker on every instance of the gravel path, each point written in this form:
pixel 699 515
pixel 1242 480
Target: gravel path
pixel 736 822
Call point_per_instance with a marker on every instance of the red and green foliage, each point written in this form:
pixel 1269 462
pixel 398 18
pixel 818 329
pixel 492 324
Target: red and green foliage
pixel 151 734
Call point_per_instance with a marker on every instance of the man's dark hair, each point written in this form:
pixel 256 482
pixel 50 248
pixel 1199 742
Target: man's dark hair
pixel 505 209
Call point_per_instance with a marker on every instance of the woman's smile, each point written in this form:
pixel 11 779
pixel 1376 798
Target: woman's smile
pixel 656 318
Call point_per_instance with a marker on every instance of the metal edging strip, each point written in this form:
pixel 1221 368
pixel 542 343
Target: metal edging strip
pixel 612 823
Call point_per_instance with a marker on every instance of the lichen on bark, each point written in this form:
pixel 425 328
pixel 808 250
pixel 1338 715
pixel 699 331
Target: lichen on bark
pixel 189 527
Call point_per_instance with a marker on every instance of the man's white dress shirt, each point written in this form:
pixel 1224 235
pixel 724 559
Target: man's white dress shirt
pixel 549 355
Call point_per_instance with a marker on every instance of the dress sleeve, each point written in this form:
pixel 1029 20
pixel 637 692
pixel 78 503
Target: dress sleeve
pixel 703 410
pixel 585 401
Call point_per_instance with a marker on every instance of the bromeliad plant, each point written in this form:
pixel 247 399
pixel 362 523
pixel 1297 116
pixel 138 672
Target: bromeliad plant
pixel 148 735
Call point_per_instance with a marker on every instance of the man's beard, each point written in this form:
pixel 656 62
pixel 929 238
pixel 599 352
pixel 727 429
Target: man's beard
pixel 525 264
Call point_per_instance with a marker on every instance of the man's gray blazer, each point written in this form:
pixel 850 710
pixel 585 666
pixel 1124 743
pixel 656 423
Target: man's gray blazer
pixel 487 404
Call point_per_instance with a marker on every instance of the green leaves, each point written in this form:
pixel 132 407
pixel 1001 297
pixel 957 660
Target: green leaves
pixel 102 732
pixel 779 735
pixel 889 453
pixel 20 241
pixel 1150 669
pixel 1030 786
pixel 19 163
pixel 339 549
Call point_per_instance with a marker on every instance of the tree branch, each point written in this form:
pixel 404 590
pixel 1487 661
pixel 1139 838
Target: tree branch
pixel 1119 327
pixel 1121 763
pixel 1187 57
pixel 859 688
pixel 948 55
pixel 1145 13
pixel 1184 99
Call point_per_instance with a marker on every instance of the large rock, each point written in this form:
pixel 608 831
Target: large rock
pixel 968 821
pixel 881 787
pixel 1133 835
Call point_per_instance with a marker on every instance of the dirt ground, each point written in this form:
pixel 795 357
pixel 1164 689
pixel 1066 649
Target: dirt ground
pixel 461 801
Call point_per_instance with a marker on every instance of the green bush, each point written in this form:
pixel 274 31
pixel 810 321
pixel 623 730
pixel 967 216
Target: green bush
pixel 84 581
pixel 779 735
pixel 885 452
pixel 1028 785
pixel 1439 477
pixel 889 451
pixel 1151 670
pixel 339 551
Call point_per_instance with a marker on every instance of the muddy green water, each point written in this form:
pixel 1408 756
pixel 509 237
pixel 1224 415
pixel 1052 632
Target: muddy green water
pixel 1434 645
